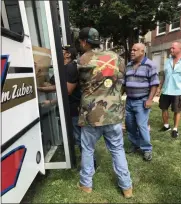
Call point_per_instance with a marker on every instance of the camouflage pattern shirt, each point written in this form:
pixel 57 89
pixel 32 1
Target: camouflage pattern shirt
pixel 100 78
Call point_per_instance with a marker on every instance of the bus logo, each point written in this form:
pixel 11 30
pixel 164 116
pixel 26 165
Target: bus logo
pixel 17 91
pixel 11 164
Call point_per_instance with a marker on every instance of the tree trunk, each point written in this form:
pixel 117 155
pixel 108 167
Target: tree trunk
pixel 126 54
pixel 132 39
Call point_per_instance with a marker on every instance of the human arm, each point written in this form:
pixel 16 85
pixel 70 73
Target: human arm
pixel 71 87
pixel 154 83
pixel 149 102
pixel 71 77
pixel 161 85
pixel 122 69
pixel 49 102
pixel 47 89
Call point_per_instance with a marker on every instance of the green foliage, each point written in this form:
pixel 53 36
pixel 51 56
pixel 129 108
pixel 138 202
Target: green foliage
pixel 122 19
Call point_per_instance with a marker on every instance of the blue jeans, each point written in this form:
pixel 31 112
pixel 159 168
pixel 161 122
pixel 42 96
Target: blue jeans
pixel 76 131
pixel 77 134
pixel 137 124
pixel 113 137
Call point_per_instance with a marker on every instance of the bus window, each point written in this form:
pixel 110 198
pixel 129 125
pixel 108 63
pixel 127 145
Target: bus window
pixel 37 23
pixel 32 17
pixel 11 20
pixel 50 118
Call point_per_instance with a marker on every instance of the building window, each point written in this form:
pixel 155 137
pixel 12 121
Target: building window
pixel 161 28
pixel 175 25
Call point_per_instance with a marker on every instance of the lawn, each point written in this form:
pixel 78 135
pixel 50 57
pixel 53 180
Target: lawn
pixel 158 181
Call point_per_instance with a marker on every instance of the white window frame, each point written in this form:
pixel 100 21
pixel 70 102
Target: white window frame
pixel 157 29
pixel 174 29
pixel 170 26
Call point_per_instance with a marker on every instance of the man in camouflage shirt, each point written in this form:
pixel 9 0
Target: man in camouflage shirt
pixel 101 109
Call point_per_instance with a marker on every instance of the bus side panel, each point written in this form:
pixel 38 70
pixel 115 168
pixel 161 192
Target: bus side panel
pixel 18 178
pixel 21 133
pixel 23 109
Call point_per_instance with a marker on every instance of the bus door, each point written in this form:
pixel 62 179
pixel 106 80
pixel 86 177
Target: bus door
pixel 21 144
pixel 56 125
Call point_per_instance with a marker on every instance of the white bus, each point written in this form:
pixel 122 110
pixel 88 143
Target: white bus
pixel 33 138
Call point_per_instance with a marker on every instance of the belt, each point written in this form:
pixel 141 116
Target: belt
pixel 137 98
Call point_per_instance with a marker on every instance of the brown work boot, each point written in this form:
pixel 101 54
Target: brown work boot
pixel 128 193
pixel 84 188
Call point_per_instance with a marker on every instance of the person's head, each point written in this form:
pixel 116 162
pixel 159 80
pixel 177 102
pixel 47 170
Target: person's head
pixel 89 39
pixel 137 52
pixel 175 49
pixel 69 53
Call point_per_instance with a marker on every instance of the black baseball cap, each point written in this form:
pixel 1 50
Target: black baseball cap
pixel 91 35
pixel 72 50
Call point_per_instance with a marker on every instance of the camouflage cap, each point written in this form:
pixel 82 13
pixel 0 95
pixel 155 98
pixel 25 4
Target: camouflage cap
pixel 91 35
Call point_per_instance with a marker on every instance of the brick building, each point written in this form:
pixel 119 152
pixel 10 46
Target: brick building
pixel 161 39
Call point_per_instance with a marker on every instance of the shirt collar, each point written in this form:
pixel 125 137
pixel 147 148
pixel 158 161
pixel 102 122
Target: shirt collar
pixel 142 62
pixel 171 59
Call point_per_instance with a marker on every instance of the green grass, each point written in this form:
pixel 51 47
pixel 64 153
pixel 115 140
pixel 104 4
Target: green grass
pixel 158 181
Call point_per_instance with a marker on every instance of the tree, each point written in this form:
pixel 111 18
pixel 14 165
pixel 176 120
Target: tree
pixel 122 20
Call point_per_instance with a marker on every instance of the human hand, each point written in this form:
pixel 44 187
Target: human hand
pixel 46 103
pixel 158 92
pixel 148 103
